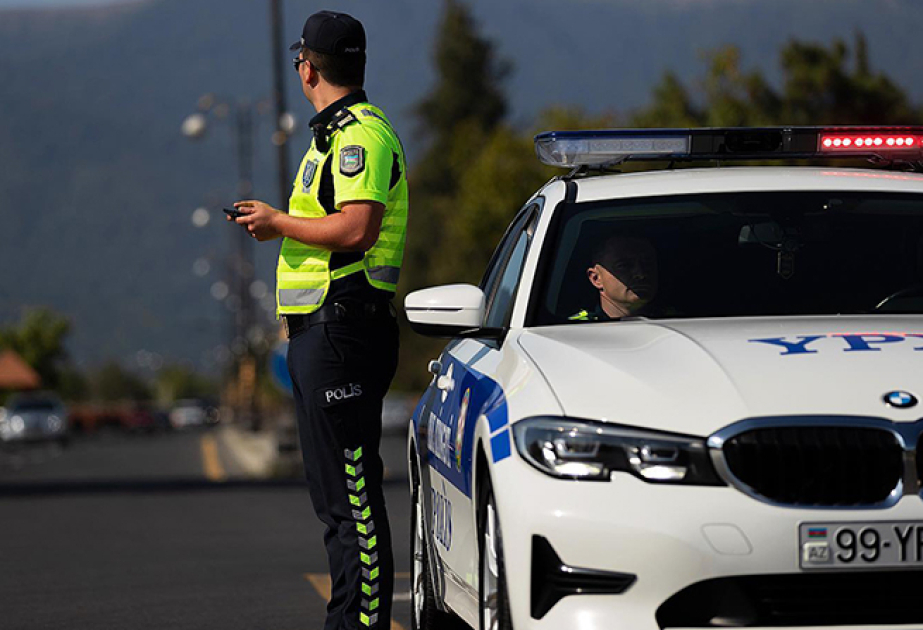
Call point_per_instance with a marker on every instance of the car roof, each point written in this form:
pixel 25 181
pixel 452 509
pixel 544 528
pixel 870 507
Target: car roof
pixel 34 397
pixel 744 179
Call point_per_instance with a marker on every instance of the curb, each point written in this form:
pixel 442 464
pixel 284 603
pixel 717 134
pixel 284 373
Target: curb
pixel 255 453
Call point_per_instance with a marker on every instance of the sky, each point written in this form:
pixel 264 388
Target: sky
pixel 4 4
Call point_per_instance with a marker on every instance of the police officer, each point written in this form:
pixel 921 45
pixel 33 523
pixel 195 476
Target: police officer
pixel 337 271
pixel 624 272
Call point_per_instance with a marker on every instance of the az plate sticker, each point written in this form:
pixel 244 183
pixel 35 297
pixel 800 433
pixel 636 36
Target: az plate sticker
pixel 352 160
pixel 308 176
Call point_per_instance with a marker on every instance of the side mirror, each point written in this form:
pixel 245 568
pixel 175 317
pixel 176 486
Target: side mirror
pixel 452 310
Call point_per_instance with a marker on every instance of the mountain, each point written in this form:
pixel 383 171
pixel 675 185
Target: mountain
pixel 98 185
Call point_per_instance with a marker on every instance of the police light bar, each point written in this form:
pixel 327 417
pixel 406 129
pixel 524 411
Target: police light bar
pixel 571 149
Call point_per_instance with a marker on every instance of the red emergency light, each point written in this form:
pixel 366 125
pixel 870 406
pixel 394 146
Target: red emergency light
pixel 852 141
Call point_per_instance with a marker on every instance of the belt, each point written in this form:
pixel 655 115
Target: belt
pixel 337 312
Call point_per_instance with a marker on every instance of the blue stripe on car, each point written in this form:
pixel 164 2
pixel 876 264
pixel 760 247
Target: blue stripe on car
pixel 500 446
pixel 486 398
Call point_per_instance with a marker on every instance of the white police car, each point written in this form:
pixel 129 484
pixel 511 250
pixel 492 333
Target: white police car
pixel 742 452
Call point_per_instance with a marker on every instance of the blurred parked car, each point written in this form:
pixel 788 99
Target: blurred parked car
pixel 34 417
pixel 147 417
pixel 192 412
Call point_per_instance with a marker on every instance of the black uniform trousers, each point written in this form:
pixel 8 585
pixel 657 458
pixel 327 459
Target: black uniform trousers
pixel 341 371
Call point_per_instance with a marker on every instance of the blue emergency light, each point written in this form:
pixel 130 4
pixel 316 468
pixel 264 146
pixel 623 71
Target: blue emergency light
pixel 608 147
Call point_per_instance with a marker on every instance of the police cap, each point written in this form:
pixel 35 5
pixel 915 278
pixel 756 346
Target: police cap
pixel 332 33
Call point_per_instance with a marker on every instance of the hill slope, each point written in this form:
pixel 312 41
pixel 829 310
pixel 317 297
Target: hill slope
pixel 97 185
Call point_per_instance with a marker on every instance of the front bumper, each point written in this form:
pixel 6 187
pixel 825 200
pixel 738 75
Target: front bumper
pixel 33 432
pixel 669 537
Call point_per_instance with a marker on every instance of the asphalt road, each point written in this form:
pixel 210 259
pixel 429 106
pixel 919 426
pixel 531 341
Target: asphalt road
pixel 122 531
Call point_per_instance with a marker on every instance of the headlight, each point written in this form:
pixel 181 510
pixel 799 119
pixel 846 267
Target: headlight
pixel 15 425
pixel 54 424
pixel 583 449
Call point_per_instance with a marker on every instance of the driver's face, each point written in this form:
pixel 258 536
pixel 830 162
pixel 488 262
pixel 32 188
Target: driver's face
pixel 629 281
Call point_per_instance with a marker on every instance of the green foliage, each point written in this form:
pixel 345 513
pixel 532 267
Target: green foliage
pixel 821 86
pixel 175 382
pixel 113 383
pixel 821 89
pixel 463 108
pixel 468 91
pixel 493 187
pixel 39 340
pixel 456 119
pixel 74 386
pixel 672 106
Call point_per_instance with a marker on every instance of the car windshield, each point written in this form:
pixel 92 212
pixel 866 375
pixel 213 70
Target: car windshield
pixel 733 254
pixel 33 404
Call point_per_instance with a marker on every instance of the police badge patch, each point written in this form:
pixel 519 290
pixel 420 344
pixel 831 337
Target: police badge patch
pixel 308 176
pixel 352 160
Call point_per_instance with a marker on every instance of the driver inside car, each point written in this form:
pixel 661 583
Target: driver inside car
pixel 624 272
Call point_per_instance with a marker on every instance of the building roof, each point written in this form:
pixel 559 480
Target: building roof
pixel 16 373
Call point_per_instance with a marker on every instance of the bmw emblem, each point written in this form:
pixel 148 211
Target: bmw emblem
pixel 900 400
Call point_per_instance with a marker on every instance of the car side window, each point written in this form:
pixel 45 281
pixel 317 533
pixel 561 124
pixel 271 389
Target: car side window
pixel 504 277
pixel 498 259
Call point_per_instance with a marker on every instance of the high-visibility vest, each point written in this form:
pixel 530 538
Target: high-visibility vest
pixel 368 164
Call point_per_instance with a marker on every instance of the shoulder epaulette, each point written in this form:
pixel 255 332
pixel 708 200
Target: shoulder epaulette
pixel 340 120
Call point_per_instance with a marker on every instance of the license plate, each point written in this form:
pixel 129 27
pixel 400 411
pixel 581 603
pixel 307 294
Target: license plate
pixel 861 546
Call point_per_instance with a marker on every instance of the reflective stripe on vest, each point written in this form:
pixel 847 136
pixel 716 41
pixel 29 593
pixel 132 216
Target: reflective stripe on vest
pixel 300 297
pixel 303 273
pixel 389 275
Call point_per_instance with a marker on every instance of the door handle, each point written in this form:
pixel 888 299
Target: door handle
pixel 446 383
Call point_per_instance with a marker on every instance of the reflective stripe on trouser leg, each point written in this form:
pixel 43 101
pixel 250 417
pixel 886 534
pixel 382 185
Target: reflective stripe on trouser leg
pixel 362 513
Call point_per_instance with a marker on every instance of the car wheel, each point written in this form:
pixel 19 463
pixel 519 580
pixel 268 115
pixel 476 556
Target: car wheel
pixel 426 616
pixel 492 593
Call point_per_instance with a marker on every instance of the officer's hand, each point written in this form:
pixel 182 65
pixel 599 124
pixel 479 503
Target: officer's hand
pixel 259 219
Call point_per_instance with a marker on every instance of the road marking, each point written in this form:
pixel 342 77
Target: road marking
pixel 210 462
pixel 321 584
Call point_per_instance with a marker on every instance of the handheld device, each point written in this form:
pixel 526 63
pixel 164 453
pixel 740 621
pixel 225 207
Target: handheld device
pixel 234 213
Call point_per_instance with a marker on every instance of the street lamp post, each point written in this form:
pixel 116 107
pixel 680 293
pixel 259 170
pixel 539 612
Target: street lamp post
pixel 195 127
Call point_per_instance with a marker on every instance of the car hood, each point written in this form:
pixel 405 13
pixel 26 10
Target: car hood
pixel 697 376
pixel 33 416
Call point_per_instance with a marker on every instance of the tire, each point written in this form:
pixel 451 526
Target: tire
pixel 424 613
pixel 493 597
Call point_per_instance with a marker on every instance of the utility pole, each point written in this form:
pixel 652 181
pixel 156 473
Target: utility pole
pixel 245 265
pixel 280 137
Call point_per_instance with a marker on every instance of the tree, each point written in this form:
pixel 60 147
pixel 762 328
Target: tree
pixel 494 186
pixel 39 340
pixel 461 110
pixel 821 86
pixel 672 106
pixel 175 382
pixel 467 98
pixel 113 383
pixel 455 119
